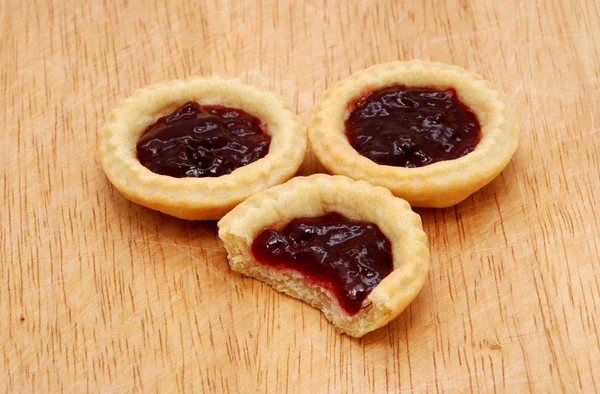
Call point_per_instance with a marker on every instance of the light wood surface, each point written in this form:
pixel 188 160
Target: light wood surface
pixel 97 293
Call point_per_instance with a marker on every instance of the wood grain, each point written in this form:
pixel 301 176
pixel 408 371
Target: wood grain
pixel 97 293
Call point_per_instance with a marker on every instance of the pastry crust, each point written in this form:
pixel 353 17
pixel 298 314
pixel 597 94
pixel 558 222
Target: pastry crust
pixel 199 198
pixel 317 195
pixel 437 185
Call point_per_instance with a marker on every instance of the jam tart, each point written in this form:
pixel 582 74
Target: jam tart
pixel 196 148
pixel 431 133
pixel 346 247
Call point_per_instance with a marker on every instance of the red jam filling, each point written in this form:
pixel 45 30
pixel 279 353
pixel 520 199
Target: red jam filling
pixel 348 258
pixel 202 141
pixel 412 126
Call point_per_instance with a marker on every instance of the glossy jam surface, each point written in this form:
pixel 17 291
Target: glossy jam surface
pixel 348 258
pixel 412 126
pixel 202 141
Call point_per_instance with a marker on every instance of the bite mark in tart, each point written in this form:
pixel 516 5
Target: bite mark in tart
pixel 196 148
pixel 431 133
pixel 349 258
pixel 346 247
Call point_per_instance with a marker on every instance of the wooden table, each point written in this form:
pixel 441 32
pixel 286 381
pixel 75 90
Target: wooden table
pixel 97 293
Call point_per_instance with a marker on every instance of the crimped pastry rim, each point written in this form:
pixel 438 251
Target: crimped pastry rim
pixel 394 217
pixel 198 198
pixel 454 179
